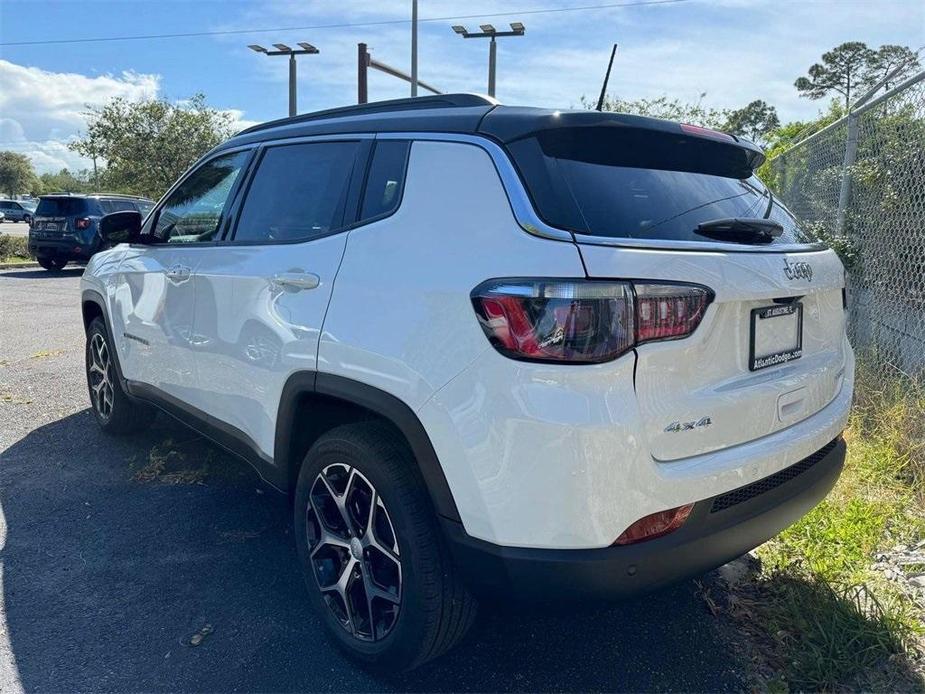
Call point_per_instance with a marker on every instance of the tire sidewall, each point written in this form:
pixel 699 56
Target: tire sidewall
pixel 399 647
pixel 97 328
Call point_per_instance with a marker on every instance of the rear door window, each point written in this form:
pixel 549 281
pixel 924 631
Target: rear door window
pixel 298 193
pixel 602 185
pixel 115 205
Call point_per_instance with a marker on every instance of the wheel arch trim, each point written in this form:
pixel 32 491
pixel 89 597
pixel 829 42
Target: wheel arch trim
pixel 377 401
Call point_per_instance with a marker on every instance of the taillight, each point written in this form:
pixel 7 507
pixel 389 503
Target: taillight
pixel 82 223
pixel 669 311
pixel 584 321
pixel 655 525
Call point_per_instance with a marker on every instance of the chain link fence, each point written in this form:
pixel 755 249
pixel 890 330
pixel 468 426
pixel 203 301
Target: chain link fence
pixel 860 184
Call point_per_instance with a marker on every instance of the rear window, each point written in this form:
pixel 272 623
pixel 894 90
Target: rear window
pixel 61 207
pixel 626 185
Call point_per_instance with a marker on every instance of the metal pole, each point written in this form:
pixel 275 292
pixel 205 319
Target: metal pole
pixel 362 65
pixel 492 61
pixel 414 47
pixel 292 86
pixel 844 192
pixel 600 101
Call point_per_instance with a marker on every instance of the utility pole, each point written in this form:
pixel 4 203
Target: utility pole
pixel 366 61
pixel 283 49
pixel 414 47
pixel 489 32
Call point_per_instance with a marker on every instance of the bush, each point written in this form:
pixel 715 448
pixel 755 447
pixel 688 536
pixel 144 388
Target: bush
pixel 13 248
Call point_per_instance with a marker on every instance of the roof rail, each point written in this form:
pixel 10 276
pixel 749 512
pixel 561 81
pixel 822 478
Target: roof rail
pixel 118 195
pixel 417 102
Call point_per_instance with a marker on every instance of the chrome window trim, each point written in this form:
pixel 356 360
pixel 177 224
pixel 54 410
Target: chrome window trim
pixel 530 221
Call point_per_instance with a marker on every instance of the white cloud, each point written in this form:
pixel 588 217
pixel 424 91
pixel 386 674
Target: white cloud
pixel 44 110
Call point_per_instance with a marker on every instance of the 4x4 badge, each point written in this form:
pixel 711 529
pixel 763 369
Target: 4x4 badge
pixel 687 426
pixel 801 270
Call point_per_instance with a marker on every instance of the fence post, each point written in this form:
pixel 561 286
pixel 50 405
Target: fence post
pixel 851 152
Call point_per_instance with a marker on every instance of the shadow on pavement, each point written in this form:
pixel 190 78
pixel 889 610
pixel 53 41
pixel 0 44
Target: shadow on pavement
pixel 106 577
pixel 69 271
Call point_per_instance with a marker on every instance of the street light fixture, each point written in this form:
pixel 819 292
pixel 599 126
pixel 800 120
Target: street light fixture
pixel 283 49
pixel 489 31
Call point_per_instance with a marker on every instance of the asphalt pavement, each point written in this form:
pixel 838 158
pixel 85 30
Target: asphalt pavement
pixel 116 552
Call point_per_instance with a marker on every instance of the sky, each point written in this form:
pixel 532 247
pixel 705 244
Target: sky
pixel 731 51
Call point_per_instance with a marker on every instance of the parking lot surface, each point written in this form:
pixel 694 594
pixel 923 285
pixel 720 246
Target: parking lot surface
pixel 14 228
pixel 116 552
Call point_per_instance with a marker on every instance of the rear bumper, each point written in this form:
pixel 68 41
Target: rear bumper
pixel 718 530
pixel 74 249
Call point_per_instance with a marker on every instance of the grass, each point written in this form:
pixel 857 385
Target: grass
pixel 820 612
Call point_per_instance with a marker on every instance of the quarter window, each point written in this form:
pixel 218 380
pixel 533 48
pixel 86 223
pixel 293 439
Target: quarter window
pixel 194 211
pixel 386 179
pixel 298 193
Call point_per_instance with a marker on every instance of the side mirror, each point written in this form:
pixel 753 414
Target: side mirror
pixel 121 227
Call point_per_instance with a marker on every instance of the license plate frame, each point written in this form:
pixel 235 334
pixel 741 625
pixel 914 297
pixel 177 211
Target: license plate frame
pixel 756 362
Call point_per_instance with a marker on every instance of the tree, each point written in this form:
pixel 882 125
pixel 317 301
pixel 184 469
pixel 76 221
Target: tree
pixel 147 145
pixel 755 121
pixel 665 108
pixel 67 181
pixel 844 70
pixel 853 67
pixel 16 173
pixel 889 57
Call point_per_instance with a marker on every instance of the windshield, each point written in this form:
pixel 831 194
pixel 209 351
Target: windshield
pixel 61 207
pixel 614 194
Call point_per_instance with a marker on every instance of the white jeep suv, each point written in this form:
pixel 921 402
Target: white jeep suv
pixel 484 349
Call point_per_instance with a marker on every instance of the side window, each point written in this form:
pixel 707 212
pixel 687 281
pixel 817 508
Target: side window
pixel 386 178
pixel 121 205
pixel 194 211
pixel 107 206
pixel 298 192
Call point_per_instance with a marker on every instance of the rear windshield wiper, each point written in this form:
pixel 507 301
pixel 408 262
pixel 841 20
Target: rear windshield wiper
pixel 741 229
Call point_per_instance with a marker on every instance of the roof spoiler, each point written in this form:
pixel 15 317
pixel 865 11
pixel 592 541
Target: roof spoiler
pixel 621 139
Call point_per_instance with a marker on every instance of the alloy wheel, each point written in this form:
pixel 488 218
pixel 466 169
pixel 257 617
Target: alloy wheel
pixel 354 552
pixel 99 374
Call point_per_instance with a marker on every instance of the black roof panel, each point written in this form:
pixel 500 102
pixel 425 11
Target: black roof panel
pixel 453 113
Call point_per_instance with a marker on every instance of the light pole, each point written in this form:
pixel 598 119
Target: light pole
pixel 488 31
pixel 283 49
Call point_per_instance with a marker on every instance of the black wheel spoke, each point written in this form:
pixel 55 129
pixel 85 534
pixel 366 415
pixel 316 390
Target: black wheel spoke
pixel 357 570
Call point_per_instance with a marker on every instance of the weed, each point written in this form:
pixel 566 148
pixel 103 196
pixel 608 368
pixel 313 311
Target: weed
pixel 822 614
pixel 168 463
pixel 46 353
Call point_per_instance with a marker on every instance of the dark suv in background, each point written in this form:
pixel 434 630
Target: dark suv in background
pixel 66 226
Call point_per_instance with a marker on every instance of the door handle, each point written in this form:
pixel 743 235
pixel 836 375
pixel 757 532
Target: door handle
pixel 296 281
pixel 178 273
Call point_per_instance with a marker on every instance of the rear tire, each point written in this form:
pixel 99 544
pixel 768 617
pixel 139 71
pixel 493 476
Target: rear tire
pixel 420 608
pixel 113 410
pixel 51 262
